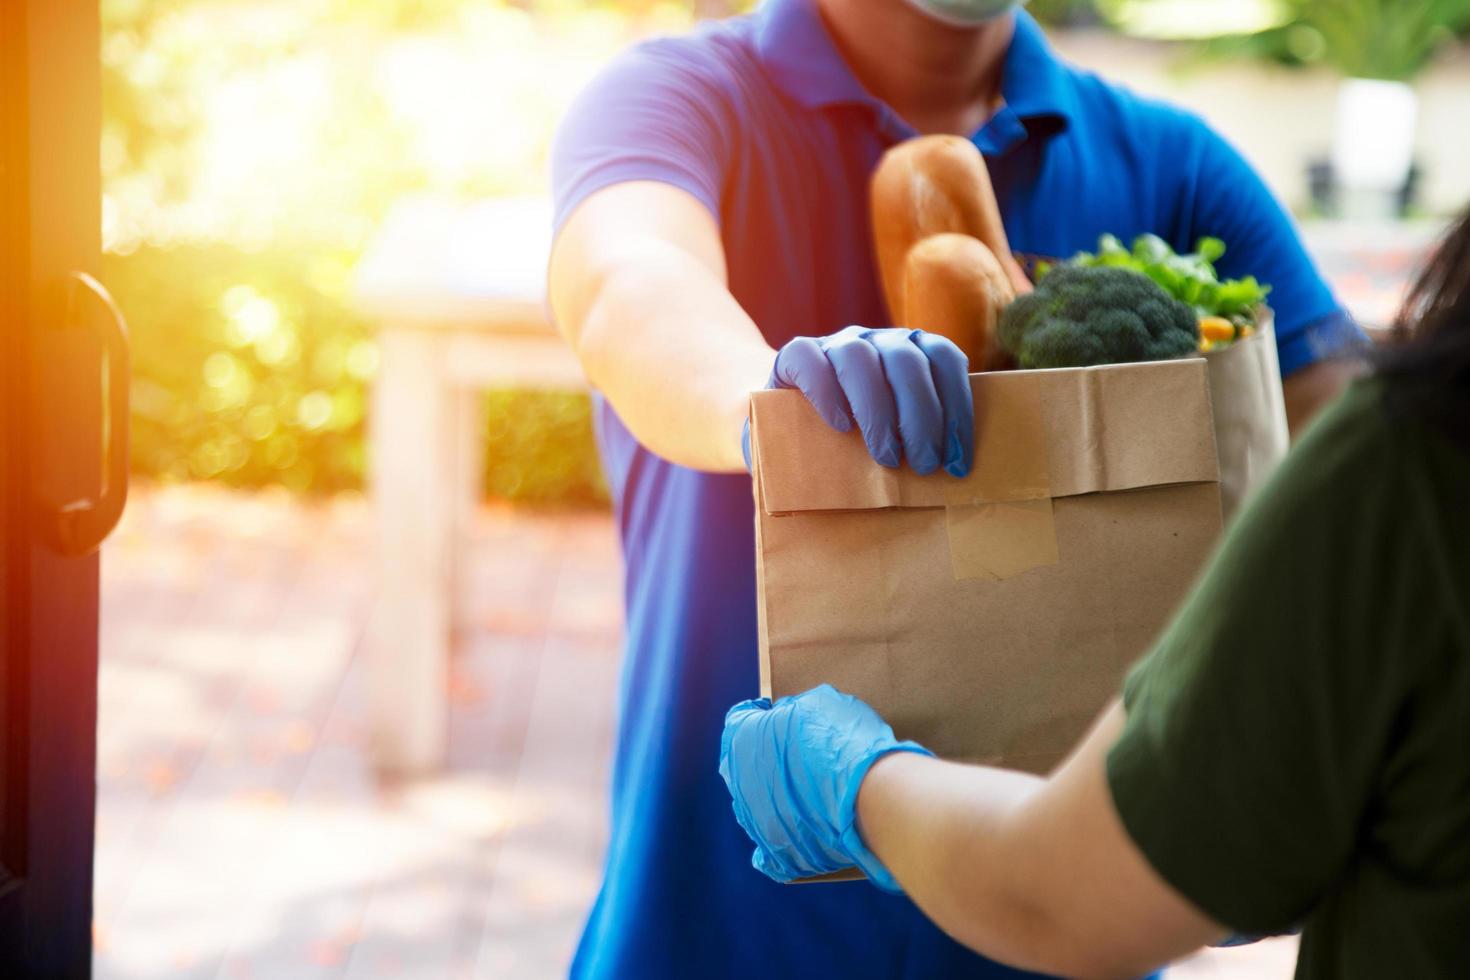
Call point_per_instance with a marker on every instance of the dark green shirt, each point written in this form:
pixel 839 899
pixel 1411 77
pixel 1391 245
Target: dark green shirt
pixel 1297 749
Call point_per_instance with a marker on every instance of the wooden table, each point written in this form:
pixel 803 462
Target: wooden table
pixel 457 292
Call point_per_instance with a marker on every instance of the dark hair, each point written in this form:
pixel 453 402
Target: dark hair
pixel 1427 363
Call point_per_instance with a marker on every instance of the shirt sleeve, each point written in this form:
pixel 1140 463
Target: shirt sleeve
pixel 658 112
pixel 1232 203
pixel 1257 727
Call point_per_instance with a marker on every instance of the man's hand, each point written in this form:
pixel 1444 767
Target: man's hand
pixel 793 770
pixel 907 391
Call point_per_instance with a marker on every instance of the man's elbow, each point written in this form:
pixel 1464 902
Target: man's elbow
pixel 598 330
pixel 1312 388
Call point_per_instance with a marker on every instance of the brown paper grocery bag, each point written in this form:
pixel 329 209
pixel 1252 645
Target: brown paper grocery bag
pixel 988 618
pixel 1249 411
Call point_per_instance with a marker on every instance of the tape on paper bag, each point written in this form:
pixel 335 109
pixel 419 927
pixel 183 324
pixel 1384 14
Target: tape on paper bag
pixel 999 521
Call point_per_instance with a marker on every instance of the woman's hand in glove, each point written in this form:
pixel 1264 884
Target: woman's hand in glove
pixel 794 769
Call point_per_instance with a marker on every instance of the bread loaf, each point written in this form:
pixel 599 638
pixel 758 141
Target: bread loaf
pixel 928 186
pixel 953 285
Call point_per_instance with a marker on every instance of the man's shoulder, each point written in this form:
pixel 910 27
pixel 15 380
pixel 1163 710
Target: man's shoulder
pixel 716 57
pixel 1103 101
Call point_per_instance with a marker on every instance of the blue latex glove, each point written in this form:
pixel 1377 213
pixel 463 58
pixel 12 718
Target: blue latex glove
pixel 794 768
pixel 907 390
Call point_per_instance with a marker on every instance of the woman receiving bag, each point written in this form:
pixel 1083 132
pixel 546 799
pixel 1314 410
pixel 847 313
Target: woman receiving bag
pixel 1295 750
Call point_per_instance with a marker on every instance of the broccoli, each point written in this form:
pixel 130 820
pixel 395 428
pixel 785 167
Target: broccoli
pixel 1080 316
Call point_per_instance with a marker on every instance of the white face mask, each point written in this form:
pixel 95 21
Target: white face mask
pixel 965 13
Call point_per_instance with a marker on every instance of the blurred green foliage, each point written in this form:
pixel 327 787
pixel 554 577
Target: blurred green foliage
pixel 249 152
pixel 1065 13
pixel 251 371
pixel 247 367
pixel 1384 39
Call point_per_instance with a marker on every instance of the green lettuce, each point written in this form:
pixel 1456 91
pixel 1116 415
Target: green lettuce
pixel 1191 278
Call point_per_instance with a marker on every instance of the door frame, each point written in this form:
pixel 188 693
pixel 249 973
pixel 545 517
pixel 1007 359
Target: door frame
pixel 50 428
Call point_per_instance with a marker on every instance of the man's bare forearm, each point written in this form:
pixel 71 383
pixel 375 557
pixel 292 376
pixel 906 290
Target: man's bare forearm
pixel 637 283
pixel 1312 388
pixel 678 359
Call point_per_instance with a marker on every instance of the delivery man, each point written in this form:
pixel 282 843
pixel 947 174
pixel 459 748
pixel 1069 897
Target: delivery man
pixel 712 238
pixel 1293 751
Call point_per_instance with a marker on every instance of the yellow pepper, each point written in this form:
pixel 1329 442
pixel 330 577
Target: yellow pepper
pixel 1216 328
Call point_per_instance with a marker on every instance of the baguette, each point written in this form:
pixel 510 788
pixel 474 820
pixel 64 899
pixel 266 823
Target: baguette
pixel 928 186
pixel 953 285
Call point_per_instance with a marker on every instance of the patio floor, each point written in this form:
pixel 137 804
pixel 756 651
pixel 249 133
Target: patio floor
pixel 241 831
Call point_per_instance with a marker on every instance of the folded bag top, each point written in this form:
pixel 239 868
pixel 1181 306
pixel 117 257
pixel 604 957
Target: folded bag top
pixel 1039 434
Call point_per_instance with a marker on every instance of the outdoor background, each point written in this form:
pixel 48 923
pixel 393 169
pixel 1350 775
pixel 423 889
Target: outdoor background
pixel 251 150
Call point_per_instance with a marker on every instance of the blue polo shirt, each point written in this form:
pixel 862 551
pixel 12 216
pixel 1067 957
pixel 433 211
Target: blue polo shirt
pixel 760 120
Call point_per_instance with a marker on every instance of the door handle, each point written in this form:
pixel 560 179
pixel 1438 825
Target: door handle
pixel 82 525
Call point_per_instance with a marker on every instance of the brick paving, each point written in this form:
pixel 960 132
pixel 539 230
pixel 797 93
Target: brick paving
pixel 241 830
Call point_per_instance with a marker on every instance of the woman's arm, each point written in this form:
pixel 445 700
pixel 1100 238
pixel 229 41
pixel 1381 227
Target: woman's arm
pixel 1039 873
pixel 1051 880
